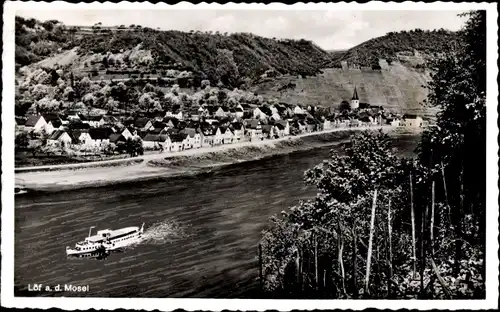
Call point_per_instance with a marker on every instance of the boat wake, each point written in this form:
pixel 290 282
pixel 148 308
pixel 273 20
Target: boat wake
pixel 162 232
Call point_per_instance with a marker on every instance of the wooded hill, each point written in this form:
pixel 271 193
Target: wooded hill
pixel 389 46
pixel 228 58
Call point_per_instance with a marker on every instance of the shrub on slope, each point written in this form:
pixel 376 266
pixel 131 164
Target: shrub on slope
pixel 386 47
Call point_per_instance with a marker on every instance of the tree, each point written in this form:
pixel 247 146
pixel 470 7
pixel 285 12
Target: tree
pixel 22 140
pixel 458 88
pixel 134 147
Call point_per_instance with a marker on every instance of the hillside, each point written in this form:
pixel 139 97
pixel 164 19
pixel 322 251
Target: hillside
pixel 37 40
pixel 398 46
pixel 397 88
pixel 230 59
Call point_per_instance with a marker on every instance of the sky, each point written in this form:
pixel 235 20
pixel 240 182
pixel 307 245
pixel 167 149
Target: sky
pixel 331 30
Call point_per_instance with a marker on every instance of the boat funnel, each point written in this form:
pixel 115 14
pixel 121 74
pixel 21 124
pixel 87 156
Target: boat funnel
pixel 142 227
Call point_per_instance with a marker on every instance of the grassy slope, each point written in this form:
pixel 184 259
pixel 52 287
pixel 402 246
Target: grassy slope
pixel 398 88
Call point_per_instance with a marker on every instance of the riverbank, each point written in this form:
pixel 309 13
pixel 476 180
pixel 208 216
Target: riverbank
pixel 189 162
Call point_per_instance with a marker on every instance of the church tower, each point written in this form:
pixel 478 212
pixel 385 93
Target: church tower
pixel 355 99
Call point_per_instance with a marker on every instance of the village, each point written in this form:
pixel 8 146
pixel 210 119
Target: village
pixel 104 134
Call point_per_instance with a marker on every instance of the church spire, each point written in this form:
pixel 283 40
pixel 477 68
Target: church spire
pixel 355 94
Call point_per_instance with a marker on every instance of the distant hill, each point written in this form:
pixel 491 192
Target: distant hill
pixel 396 44
pixel 229 59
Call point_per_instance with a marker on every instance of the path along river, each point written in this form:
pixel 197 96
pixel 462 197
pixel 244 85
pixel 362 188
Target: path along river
pixel 201 234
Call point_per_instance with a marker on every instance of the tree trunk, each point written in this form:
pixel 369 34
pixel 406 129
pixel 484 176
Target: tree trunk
pixel 370 243
pixel 413 228
pixel 445 193
pixel 341 262
pixel 354 263
pixel 458 227
pixel 316 260
pixel 389 230
pixel 422 252
pixel 297 266
pixel 432 218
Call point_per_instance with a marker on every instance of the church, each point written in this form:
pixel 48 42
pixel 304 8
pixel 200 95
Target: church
pixel 355 99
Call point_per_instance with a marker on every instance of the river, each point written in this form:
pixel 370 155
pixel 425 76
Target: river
pixel 202 232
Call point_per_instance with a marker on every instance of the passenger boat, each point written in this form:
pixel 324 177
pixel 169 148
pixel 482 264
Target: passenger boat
pixel 105 241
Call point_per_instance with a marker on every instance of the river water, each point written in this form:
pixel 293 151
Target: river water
pixel 201 233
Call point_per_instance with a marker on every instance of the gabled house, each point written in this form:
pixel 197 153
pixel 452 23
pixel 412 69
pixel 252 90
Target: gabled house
pixel 157 142
pixel 126 133
pixel 82 139
pixel 100 136
pixel 171 122
pixel 221 111
pixel 179 141
pixel 226 135
pixel 238 131
pixel 175 114
pixel 211 136
pixel 327 124
pixel 117 139
pixel 143 123
pixel 93 121
pixel 298 110
pixel 53 123
pixel 268 132
pixel 194 137
pixel 59 137
pixel 259 114
pixel 412 121
pixel 253 129
pixel 282 128
pixel 35 123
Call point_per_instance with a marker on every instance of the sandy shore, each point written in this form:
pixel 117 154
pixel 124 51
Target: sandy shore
pixel 145 167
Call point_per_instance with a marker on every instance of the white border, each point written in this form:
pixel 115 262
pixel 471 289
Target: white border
pixel 7 247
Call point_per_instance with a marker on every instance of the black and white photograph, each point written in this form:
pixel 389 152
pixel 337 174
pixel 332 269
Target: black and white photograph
pixel 335 154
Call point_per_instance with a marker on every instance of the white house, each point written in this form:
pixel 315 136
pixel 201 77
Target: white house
pixel 36 124
pixel 327 124
pixel 412 121
pixel 221 112
pixel 258 114
pixel 127 134
pixel 179 142
pixel 177 114
pixel 226 135
pixel 157 141
pixel 283 128
pixel 238 131
pixel 193 139
pixel 93 121
pixel 99 137
pixel 59 137
pixel 297 110
pixel 254 130
pixel 82 138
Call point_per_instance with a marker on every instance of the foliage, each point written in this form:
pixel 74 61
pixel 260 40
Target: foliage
pixel 133 147
pixel 319 247
pixel 225 59
pixel 386 47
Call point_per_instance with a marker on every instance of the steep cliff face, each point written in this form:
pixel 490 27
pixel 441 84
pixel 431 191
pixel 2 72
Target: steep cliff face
pixel 396 87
